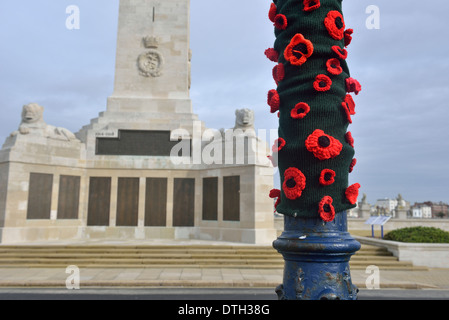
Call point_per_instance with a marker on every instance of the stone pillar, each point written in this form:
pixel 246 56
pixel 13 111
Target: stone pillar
pixel 364 210
pixel 401 213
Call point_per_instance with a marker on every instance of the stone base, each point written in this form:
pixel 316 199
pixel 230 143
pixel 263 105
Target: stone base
pixel 51 234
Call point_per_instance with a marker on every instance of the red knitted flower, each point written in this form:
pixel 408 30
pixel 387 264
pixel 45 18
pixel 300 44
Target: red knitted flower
pixel 299 50
pixel 334 67
pixel 352 193
pixel 326 209
pixel 310 5
pixel 349 107
pixel 348 36
pixel 278 73
pixel 322 83
pixel 349 139
pixel 300 110
pixel 335 24
pixel 327 177
pixel 294 183
pixel 352 85
pixel 322 145
pixel 352 165
pixel 272 13
pixel 280 22
pixel 278 145
pixel 273 100
pixel 275 194
pixel 272 54
pixel 341 53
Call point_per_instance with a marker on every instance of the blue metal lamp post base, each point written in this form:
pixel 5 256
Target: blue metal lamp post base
pixel 316 255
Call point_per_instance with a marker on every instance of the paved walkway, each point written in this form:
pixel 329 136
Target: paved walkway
pixel 195 277
pixel 202 277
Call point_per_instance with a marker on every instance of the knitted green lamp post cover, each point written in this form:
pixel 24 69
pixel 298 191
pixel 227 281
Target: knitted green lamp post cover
pixel 315 151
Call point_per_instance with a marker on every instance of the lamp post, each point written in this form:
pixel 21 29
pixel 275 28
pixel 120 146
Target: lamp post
pixel 315 151
pixel 316 255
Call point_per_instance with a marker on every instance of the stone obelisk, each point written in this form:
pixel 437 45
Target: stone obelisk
pixel 153 47
pixel 152 74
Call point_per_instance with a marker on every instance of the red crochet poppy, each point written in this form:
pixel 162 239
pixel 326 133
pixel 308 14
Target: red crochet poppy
pixel 300 110
pixel 326 209
pixel 349 139
pixel 280 21
pixel 348 36
pixel 334 67
pixel 352 165
pixel 327 177
pixel 278 73
pixel 294 183
pixel 322 145
pixel 272 13
pixel 335 24
pixel 275 194
pixel 352 85
pixel 341 53
pixel 272 54
pixel 310 5
pixel 349 107
pixel 322 83
pixel 299 50
pixel 278 145
pixel 352 193
pixel 273 100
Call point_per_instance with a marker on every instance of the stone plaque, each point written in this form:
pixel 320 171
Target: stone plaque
pixel 69 197
pixel 210 199
pixel 184 202
pixel 136 143
pixel 99 201
pixel 156 202
pixel 231 198
pixel 39 196
pixel 127 202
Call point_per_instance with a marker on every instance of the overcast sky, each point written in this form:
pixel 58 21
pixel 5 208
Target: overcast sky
pixel 401 127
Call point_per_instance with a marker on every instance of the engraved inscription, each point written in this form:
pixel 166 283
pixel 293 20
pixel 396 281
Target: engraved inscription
pixel 136 143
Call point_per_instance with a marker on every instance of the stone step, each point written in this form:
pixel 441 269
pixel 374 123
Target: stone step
pixel 165 255
pixel 205 249
pixel 172 256
pixel 196 266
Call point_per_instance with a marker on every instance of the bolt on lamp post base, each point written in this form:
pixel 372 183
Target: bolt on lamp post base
pixel 316 255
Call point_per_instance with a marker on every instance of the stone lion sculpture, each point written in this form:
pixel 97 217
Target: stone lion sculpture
pixel 244 119
pixel 33 124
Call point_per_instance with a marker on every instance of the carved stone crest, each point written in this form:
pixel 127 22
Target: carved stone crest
pixel 150 62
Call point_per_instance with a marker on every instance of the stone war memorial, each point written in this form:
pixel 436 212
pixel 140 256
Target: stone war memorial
pixel 147 167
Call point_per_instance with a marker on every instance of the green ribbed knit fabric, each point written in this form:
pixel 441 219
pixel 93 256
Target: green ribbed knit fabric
pixel 314 113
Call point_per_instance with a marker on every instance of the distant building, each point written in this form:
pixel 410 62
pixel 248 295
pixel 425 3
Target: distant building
pixel 421 211
pixel 431 209
pixel 386 205
pixel 396 208
pixel 439 209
